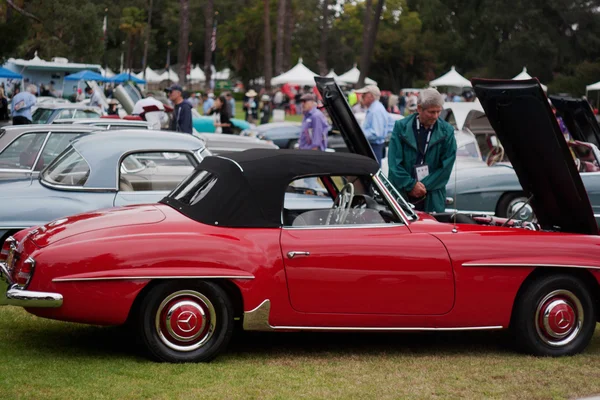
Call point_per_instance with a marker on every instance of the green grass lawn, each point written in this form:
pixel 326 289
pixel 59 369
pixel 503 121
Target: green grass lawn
pixel 44 359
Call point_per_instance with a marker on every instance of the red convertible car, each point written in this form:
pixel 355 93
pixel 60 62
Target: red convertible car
pixel 232 243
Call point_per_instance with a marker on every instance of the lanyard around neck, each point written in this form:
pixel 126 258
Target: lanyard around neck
pixel 427 140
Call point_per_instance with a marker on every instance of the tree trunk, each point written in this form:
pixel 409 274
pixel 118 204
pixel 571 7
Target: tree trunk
pixel 268 46
pixel 209 12
pixel 280 37
pixel 184 37
pixel 147 40
pixel 364 57
pixel 289 31
pixel 324 33
pixel 129 52
pixel 364 69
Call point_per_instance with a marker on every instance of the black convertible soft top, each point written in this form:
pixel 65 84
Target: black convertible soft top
pixel 250 187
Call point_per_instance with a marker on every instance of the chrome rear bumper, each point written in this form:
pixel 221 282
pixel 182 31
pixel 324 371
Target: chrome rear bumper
pixel 11 295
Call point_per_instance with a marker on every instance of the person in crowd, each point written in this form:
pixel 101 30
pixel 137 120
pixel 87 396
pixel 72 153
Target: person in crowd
pixel 421 154
pixel 44 91
pixel 393 105
pixel 401 102
pixel 231 103
pixel 22 103
pixel 457 99
pixel 80 96
pixel 3 106
pixel 95 100
pixel 412 109
pixel 359 107
pixel 298 98
pixel 278 100
pixel 250 106
pixel 377 122
pixel 152 110
pixel 221 115
pixel 112 107
pixel 411 101
pixel 209 101
pixel 182 112
pixel 313 134
pixel 265 109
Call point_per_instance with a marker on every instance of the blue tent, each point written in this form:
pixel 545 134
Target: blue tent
pixel 124 77
pixel 6 73
pixel 86 75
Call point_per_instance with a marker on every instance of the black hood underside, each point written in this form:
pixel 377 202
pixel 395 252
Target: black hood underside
pixel 520 114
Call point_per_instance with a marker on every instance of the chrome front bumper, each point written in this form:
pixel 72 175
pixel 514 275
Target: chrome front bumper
pixel 11 295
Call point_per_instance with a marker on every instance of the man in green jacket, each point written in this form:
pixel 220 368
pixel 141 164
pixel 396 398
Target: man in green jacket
pixel 421 154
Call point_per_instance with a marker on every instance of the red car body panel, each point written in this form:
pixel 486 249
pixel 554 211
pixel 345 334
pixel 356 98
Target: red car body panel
pixel 373 277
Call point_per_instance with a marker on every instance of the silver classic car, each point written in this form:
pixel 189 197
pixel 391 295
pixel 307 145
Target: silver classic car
pixel 98 171
pixel 26 149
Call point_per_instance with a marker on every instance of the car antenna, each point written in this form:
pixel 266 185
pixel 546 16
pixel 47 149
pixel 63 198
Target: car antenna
pixel 455 228
pixel 516 212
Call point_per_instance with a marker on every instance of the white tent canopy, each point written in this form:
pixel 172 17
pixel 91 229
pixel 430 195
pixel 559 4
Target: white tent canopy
pixel 169 74
pixel 197 74
pixel 452 79
pixel 331 74
pixel 352 76
pixel 524 75
pixel 298 75
pixel 594 86
pixel 151 76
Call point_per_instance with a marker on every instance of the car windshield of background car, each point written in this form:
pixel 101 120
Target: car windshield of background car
pixel 467 150
pixel 22 152
pixel 69 169
pixel 41 115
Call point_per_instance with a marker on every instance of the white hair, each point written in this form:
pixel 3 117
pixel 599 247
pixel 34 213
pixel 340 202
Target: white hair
pixel 430 98
pixel 32 88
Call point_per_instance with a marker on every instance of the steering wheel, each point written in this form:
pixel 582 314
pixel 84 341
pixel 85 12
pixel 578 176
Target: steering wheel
pixel 495 154
pixel 341 206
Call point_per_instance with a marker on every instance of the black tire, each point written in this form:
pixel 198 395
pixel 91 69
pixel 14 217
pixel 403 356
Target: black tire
pixel 292 144
pixel 570 321
pixel 201 317
pixel 506 202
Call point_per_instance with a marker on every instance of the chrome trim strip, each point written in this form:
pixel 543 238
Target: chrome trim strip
pixel 258 320
pixel 235 162
pixel 454 210
pixel 126 278
pixel 528 265
pixel 16 170
pixel 354 226
pixel 41 150
pixel 76 188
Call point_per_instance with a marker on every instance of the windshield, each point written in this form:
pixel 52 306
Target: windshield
pixel 387 185
pixel 41 115
pixel 69 169
pixel 468 150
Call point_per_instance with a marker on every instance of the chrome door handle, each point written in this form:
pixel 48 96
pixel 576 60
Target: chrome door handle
pixel 292 254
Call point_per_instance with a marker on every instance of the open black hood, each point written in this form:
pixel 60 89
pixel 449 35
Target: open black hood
pixel 339 110
pixel 579 118
pixel 520 114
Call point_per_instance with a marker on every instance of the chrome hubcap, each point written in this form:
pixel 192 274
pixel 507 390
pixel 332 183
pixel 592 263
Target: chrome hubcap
pixel 185 320
pixel 524 214
pixel 559 318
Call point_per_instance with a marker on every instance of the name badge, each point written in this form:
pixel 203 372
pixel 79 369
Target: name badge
pixel 421 172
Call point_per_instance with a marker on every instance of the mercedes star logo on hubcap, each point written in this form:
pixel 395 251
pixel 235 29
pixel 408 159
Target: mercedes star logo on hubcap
pixel 187 321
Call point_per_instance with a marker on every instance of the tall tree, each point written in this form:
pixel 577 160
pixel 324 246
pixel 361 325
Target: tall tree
pixel 184 37
pixel 268 45
pixel 209 13
pixel 289 32
pixel 364 55
pixel 280 37
pixel 369 45
pixel 132 23
pixel 324 36
pixel 147 39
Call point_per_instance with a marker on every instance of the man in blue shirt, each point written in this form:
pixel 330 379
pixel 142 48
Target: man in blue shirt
pixel 21 105
pixel 313 135
pixel 208 103
pixel 377 122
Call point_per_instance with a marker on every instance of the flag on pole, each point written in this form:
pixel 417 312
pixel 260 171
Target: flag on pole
pixel 213 39
pixel 104 28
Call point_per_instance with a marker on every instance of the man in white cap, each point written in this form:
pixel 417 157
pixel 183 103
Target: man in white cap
pixel 377 122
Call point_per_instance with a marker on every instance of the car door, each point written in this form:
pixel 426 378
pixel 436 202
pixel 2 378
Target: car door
pixel 364 266
pixel 147 177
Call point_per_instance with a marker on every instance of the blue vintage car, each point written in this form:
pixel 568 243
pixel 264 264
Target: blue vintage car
pixel 205 123
pixel 99 171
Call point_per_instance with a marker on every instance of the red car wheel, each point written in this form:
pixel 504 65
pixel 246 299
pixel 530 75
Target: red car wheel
pixel 555 316
pixel 185 321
